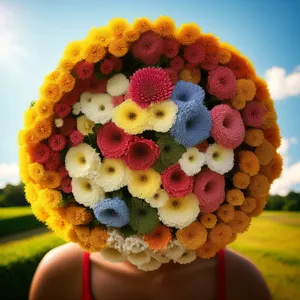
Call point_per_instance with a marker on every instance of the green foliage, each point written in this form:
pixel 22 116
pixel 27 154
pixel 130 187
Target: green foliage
pixel 291 202
pixel 18 262
pixel 13 195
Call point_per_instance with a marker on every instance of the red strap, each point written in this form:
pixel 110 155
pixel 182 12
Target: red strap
pixel 221 293
pixel 86 292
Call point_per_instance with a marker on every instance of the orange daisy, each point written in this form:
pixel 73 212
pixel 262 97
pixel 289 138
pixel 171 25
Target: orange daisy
pixel 240 223
pixel 254 137
pixel 259 186
pixel 249 205
pixel 225 212
pixel 158 238
pixel 248 162
pixel 208 220
pixel 241 180
pixel 235 197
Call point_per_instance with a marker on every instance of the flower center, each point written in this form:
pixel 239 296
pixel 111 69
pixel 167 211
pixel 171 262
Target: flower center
pixel 156 196
pixel 82 160
pixel 110 169
pixel 226 122
pixel 132 116
pixel 175 203
pixel 101 107
pixel 191 158
pixel 176 176
pixel 88 186
pixel 216 155
pixel 143 178
pixel 159 113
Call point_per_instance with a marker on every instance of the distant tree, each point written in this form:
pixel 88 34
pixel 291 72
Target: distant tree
pixel 13 195
pixel 291 205
pixel 275 202
pixel 295 199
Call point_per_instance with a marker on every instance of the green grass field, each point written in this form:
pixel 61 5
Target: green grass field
pixel 273 244
pixel 13 212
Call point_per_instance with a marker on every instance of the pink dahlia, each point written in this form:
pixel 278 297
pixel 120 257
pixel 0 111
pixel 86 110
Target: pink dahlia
pixel 177 63
pixel 209 188
pixel 148 48
pixel 222 83
pixel 53 162
pixel 113 141
pixel 63 172
pixel 228 128
pixel 57 142
pixel 176 182
pixel 76 138
pixel 141 154
pixel 173 74
pixel 62 109
pixel 253 114
pixel 66 185
pixel 150 85
pixel 84 70
pixel 171 48
pixel 40 153
pixel 210 62
pixel 194 53
pixel 117 100
pixel 69 125
pixel 106 66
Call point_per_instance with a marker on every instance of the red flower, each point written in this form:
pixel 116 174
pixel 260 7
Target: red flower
pixel 148 48
pixel 96 85
pixel 141 154
pixel 63 172
pixel 117 100
pixel 71 97
pixel 57 142
pixel 210 62
pixel 76 138
pixel 117 63
pixel 150 85
pixel 194 53
pixel 62 109
pixel 176 182
pixel 53 162
pixel 84 70
pixel 173 74
pixel 106 66
pixel 253 114
pixel 177 63
pixel 40 153
pixel 171 48
pixel 112 140
pixel 66 185
pixel 69 125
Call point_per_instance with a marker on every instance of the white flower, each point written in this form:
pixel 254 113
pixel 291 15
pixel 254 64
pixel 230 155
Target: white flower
pixel 192 161
pixel 99 109
pixel 80 160
pixel 115 239
pixel 85 99
pixel 187 257
pixel 175 249
pixel 161 257
pixel 159 199
pixel 152 265
pixel 219 159
pixel 134 244
pixel 139 258
pixel 76 109
pixel 86 192
pixel 117 85
pixel 59 122
pixel 112 255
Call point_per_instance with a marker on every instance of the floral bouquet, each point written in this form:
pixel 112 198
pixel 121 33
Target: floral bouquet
pixel 150 143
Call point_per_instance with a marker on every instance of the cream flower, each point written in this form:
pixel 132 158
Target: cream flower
pixel 161 257
pixel 112 255
pixel 76 109
pixel 139 258
pixel 117 85
pixel 134 244
pixel 152 265
pixel 192 161
pixel 85 99
pixel 159 199
pixel 187 257
pixel 59 122
pixel 116 239
pixel 174 250
pixel 85 125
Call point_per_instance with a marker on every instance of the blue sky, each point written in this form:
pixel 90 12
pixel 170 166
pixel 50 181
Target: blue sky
pixel 34 34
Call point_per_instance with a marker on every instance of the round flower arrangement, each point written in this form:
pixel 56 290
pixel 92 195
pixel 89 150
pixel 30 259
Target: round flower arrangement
pixel 150 143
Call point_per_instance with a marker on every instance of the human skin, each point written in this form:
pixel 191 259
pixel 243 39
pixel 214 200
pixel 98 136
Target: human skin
pixel 59 277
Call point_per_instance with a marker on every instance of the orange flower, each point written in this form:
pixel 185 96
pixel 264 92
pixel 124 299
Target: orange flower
pixel 78 215
pixel 66 82
pixel 208 220
pixel 254 137
pixel 71 235
pixel 265 152
pixel 273 169
pixel 131 35
pixel 210 43
pixel 93 52
pixel 30 138
pixel 192 236
pixel 273 136
pixel 44 108
pixel 101 35
pixel 50 180
pixel 30 116
pixel 224 56
pixel 118 26
pixel 158 238
pixel 259 208
pixel 270 119
pixel 241 67
pixel 259 186
pixel 66 64
pixel 39 211
pixel 50 91
pixel 240 223
pixel 53 76
pixel 83 233
pixel 233 237
pixel 241 180
pixel 190 75
pixel 142 25
pixel 249 205
pixel 238 103
pixel 221 234
pixel 98 238
pixel 36 171
pixel 245 89
pixel 225 212
pixel 235 197
pixel 262 91
pixel 208 250
pixel 42 128
pixel 164 26
pixel 58 224
pixel 188 33
pixel 248 163
pixel 118 47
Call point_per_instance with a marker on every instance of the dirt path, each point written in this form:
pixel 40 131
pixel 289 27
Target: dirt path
pixel 21 235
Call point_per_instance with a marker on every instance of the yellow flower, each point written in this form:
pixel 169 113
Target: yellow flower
pixel 29 116
pixel 130 117
pixel 50 91
pixel 36 171
pixel 101 35
pixel 93 52
pixel 44 108
pixel 31 192
pixel 49 198
pixel 58 224
pixel 131 35
pixel 143 184
pixel 118 26
pixel 30 138
pixel 188 33
pixel 66 82
pixel 39 211
pixel 21 139
pixel 42 128
pixel 66 64
pixel 118 47
pixel 142 25
pixel 85 125
pixel 23 171
pixel 73 51
pixel 164 26
pixel 53 76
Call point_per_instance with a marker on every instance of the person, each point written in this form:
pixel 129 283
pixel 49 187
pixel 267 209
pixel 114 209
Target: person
pixel 67 272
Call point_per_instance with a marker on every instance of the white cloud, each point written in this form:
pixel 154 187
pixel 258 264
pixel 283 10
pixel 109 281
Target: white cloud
pixel 9 173
pixel 291 173
pixel 281 84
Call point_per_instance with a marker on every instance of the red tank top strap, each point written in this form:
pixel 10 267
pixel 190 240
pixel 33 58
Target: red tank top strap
pixel 221 275
pixel 86 291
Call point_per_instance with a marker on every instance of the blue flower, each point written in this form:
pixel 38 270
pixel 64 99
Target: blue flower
pixel 193 124
pixel 112 212
pixel 185 92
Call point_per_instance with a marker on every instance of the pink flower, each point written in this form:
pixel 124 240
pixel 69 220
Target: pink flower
pixel 57 142
pixel 76 138
pixel 253 114
pixel 53 162
pixel 117 100
pixel 106 66
pixel 194 53
pixel 66 185
pixel 117 63
pixel 209 188
pixel 63 172
pixel 84 70
pixel 210 62
pixel 173 74
pixel 40 153
pixel 177 63
pixel 228 128
pixel 62 109
pixel 96 85
pixel 69 125
pixel 171 48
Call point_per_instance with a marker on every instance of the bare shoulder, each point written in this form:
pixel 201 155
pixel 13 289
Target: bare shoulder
pixel 58 275
pixel 244 280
